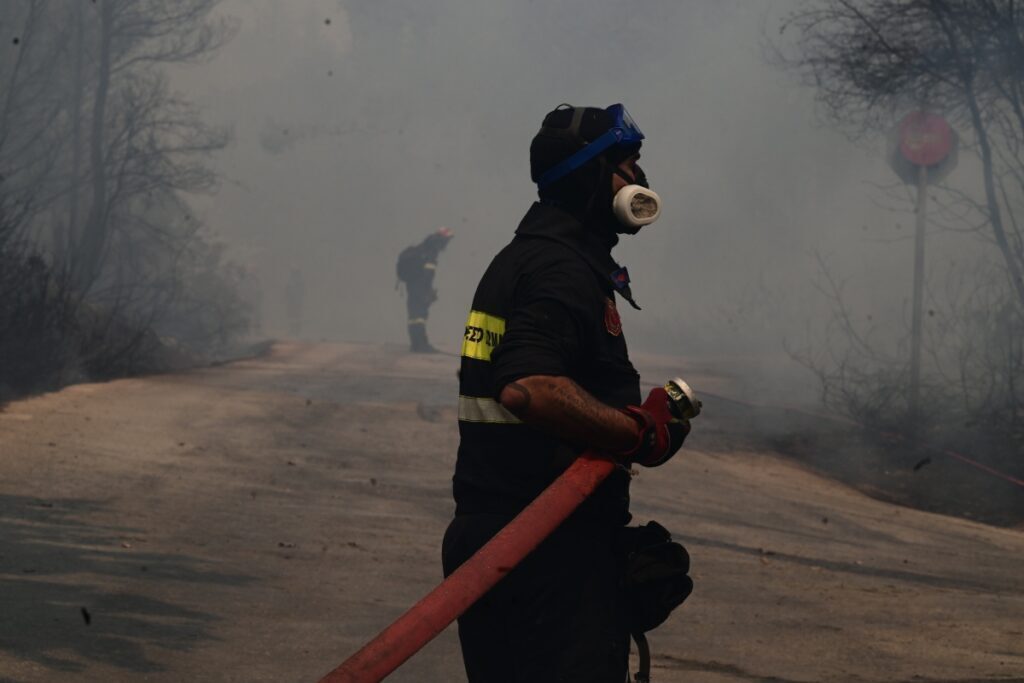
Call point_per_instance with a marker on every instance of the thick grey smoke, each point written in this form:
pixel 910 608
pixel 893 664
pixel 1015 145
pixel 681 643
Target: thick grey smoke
pixel 361 126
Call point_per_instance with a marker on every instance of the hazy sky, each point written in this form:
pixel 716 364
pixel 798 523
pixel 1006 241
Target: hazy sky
pixel 362 126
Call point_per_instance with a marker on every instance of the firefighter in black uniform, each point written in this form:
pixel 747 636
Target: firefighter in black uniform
pixel 544 375
pixel 415 268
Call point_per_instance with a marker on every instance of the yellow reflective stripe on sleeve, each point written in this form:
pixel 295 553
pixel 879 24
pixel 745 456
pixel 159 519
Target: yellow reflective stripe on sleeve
pixel 417 321
pixel 430 266
pixel 478 409
pixel 483 333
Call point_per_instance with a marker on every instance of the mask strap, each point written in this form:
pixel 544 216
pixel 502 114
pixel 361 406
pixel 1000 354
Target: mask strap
pixel 602 181
pixel 577 119
pixel 622 174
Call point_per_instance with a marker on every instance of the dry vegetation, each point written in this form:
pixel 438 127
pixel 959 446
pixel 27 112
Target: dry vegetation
pixel 104 270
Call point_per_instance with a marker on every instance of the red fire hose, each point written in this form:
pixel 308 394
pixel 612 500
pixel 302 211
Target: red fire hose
pixel 424 620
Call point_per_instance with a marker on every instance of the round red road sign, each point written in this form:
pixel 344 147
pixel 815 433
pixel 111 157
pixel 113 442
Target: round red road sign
pixel 925 139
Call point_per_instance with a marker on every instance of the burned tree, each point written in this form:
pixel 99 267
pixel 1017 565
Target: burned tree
pixel 870 61
pixel 141 138
pixel 97 155
pixel 963 58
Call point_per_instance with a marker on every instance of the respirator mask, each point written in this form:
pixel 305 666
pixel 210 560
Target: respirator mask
pixel 636 204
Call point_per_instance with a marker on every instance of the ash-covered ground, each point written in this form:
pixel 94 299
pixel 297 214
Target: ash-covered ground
pixel 260 520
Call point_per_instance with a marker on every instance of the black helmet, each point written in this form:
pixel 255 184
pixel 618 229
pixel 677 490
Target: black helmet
pixel 568 130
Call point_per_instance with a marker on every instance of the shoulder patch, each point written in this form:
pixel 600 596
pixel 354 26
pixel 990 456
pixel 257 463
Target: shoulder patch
pixel 483 333
pixel 612 321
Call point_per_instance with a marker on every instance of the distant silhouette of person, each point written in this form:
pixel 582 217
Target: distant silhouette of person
pixel 415 267
pixel 295 295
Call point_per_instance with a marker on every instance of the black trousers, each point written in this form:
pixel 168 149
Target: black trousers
pixel 418 306
pixel 556 618
pixel 418 301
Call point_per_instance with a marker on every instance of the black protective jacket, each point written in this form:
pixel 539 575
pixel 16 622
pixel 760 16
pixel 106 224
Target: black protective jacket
pixel 545 306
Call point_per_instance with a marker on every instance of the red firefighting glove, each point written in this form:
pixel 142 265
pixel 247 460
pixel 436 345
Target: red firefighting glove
pixel 661 433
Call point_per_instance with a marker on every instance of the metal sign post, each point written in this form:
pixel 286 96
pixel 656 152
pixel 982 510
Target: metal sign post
pixel 918 302
pixel 923 150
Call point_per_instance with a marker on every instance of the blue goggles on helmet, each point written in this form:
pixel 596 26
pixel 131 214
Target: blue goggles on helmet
pixel 624 130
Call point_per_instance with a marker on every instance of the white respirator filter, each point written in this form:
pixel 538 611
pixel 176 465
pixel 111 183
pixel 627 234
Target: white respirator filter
pixel 636 206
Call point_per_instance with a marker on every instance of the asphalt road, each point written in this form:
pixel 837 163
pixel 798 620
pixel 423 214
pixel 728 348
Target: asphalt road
pixel 259 521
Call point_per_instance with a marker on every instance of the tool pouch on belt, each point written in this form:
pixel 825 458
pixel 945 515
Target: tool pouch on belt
pixel 655 575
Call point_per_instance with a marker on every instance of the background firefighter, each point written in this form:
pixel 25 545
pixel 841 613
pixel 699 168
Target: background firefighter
pixel 415 268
